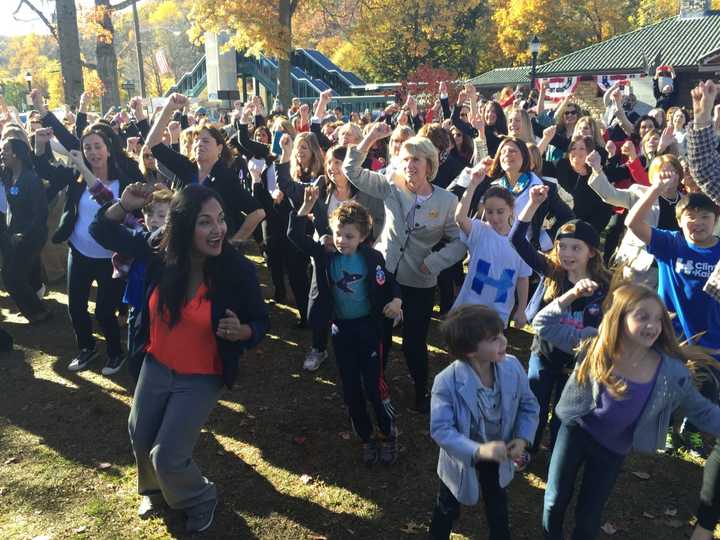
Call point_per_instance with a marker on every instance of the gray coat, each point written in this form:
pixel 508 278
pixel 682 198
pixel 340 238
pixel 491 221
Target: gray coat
pixel 406 246
pixel 453 406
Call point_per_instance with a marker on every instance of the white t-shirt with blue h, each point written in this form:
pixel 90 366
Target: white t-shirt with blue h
pixel 493 271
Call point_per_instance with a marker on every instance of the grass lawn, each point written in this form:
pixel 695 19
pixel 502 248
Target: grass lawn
pixel 278 446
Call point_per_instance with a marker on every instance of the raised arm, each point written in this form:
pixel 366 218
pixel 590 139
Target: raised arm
pixel 367 181
pixel 533 258
pixel 48 119
pixel 599 183
pixel 703 157
pixel 462 211
pixel 638 216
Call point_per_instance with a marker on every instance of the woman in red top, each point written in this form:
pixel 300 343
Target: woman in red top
pixel 204 307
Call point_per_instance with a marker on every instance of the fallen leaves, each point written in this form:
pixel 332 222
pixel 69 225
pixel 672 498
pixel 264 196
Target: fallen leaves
pixel 10 460
pixel 299 440
pixel 345 435
pixel 641 475
pixel 672 512
pixel 609 528
pixel 413 528
pixel 306 479
pixel 104 465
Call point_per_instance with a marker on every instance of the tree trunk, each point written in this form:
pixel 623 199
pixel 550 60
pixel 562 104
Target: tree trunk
pixel 69 44
pixel 284 90
pixel 106 59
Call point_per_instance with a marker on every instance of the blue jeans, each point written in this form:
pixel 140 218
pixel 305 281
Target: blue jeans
pixel 575 447
pixel 544 377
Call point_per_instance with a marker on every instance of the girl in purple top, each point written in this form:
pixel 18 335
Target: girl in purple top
pixel 627 382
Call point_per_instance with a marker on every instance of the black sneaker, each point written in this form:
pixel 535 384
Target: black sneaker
pixel 200 517
pixel 389 450
pixel 82 360
pixel 370 453
pixel 114 364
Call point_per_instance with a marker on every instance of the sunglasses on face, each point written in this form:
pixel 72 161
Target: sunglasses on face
pixel 572 111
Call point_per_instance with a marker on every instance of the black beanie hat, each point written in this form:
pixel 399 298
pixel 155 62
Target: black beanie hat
pixel 580 230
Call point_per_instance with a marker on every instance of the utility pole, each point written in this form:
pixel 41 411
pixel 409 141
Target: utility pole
pixel 138 48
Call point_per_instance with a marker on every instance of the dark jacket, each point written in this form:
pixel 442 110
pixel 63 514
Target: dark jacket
pixel 382 287
pixel 27 208
pixel 60 177
pixel 237 200
pixel 238 291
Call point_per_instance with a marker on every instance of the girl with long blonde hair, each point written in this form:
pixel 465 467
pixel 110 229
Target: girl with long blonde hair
pixel 575 256
pixel 628 381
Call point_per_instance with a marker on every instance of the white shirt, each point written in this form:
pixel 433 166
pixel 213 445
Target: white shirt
pixel 493 271
pixel 80 237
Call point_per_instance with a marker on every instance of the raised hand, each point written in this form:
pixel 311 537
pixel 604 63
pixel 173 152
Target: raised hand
pixel 628 150
pixel 84 102
pixel 667 137
pixel 379 130
pixel 703 99
pixel 593 161
pixel 538 194
pixel 38 101
pixel 549 132
pixel 133 145
pixel 443 89
pixel 585 287
pixel 136 195
pixel 310 196
pixel 177 102
pixel 610 148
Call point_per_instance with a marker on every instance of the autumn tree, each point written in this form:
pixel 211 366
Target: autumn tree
pixel 396 37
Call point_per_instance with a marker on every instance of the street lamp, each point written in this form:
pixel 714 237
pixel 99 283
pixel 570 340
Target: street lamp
pixel 129 87
pixel 534 50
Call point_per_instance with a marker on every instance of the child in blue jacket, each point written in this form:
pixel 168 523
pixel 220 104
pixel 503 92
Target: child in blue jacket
pixel 483 416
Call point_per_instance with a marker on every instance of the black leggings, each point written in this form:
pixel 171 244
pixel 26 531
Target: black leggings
pixel 417 309
pixel 82 272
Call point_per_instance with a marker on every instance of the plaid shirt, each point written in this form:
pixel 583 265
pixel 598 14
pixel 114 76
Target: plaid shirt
pixel 704 161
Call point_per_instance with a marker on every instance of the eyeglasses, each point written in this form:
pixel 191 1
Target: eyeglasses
pixel 572 111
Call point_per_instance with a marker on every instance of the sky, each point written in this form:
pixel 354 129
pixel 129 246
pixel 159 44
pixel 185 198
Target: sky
pixel 28 21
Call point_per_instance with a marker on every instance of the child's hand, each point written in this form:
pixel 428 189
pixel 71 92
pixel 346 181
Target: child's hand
pixel 327 241
pixel 492 451
pixel 538 195
pixel 520 318
pixel 393 309
pixel 516 448
pixel 585 287
pixel 136 195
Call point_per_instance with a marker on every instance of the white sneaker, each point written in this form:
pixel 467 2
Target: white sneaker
pixel 313 359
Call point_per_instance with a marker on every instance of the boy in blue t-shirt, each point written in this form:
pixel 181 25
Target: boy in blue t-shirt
pixel 685 260
pixel 352 288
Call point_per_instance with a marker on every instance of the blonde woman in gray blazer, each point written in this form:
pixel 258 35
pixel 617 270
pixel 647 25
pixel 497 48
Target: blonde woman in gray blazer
pixel 418 215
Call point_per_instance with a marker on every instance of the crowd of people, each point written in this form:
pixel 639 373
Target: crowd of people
pixel 600 232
